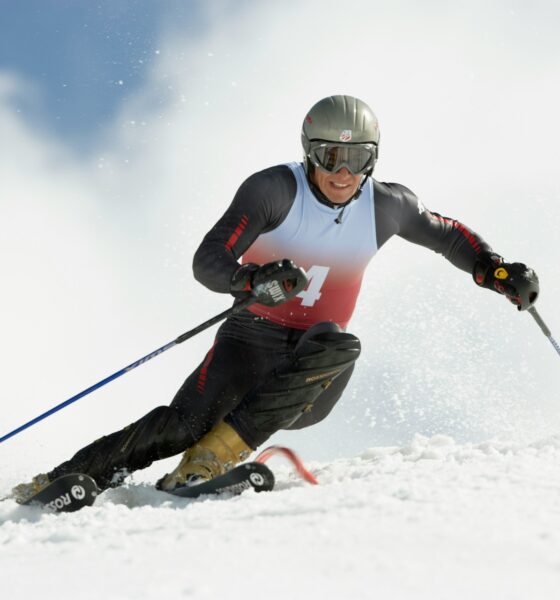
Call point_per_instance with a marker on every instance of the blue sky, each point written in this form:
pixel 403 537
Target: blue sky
pixel 84 57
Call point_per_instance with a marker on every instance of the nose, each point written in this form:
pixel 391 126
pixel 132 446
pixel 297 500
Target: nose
pixel 343 171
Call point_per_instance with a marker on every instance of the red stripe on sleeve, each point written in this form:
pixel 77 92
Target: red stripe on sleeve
pixel 460 227
pixel 238 231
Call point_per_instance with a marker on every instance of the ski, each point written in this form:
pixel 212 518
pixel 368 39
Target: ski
pixel 72 492
pixel 67 493
pixel 249 475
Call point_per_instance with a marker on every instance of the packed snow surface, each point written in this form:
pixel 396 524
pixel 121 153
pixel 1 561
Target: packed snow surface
pixel 433 519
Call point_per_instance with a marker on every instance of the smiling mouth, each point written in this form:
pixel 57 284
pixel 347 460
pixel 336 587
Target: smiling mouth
pixel 339 186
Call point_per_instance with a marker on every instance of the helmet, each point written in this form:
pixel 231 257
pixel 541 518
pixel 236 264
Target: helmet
pixel 335 122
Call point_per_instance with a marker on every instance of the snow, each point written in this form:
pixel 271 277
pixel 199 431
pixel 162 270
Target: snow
pixel 431 519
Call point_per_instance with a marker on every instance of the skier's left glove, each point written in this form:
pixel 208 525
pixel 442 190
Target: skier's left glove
pixel 270 284
pixel 516 281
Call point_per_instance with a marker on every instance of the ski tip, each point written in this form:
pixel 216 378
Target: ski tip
pixel 68 493
pixel 292 457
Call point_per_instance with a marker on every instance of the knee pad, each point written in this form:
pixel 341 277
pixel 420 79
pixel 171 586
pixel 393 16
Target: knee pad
pixel 322 327
pixel 319 357
pixel 323 351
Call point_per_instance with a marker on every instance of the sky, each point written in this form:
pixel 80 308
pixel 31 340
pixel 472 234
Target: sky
pixel 83 59
pixel 128 126
pixel 93 55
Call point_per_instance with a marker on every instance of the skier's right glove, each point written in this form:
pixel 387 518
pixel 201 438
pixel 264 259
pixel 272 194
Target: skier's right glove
pixel 269 284
pixel 516 281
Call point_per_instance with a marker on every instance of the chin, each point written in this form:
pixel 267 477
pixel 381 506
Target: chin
pixel 340 199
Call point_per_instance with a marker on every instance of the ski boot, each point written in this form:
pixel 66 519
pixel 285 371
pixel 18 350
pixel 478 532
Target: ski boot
pixel 216 453
pixel 24 491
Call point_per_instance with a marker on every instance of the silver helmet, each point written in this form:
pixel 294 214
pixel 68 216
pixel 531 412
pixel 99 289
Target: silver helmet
pixel 341 131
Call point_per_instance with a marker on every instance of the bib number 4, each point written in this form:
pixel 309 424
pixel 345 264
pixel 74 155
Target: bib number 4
pixel 312 293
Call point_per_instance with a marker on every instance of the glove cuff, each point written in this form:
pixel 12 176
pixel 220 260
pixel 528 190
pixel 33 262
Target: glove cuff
pixel 242 280
pixel 483 270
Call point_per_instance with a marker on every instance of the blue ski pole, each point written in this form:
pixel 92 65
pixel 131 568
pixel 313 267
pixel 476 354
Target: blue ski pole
pixel 544 328
pixel 185 336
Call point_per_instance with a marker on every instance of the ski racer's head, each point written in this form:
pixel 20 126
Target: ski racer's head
pixel 340 138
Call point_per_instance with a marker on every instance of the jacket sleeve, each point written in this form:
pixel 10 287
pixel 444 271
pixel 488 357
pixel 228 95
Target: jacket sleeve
pixel 459 244
pixel 260 205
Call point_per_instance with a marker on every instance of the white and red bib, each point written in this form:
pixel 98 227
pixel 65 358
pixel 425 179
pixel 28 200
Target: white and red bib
pixel 334 255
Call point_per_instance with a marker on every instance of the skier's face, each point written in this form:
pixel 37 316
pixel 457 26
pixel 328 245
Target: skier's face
pixel 338 187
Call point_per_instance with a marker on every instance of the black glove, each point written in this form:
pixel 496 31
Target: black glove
pixel 269 284
pixel 516 281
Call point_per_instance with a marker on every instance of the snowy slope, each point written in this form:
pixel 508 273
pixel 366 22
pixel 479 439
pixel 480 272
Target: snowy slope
pixel 433 519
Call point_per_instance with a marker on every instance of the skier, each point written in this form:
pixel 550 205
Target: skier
pixel 284 364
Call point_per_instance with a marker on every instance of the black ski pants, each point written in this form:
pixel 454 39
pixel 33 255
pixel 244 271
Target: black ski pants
pixel 258 376
pixel 247 350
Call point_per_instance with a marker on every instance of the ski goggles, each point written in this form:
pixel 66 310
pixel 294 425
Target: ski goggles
pixel 357 158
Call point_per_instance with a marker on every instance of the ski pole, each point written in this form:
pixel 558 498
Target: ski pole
pixel 185 336
pixel 544 328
